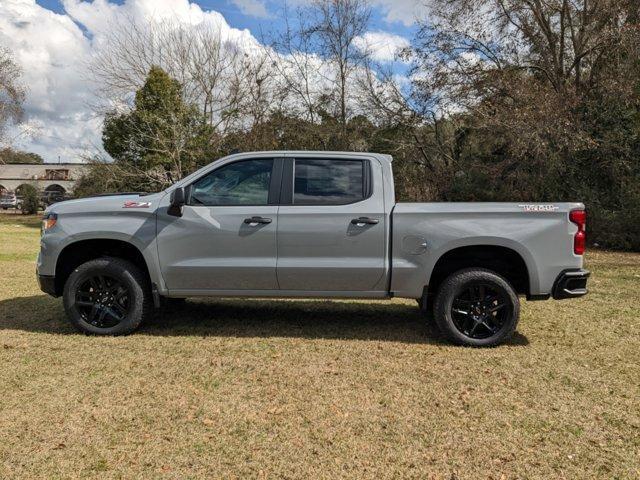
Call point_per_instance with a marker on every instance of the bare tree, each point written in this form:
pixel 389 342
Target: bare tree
pixel 422 142
pixel 523 67
pixel 382 98
pixel 335 26
pixel 297 63
pixel 239 86
pixel 12 93
pixel 256 87
pixel 205 64
pixel 468 49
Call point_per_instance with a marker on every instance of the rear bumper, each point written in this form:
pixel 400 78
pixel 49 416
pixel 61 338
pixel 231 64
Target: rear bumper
pixel 571 284
pixel 47 284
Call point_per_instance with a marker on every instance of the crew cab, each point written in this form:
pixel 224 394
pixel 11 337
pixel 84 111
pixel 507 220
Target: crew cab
pixel 308 224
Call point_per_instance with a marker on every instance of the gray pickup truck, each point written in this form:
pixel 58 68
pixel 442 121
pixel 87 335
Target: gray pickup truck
pixel 308 224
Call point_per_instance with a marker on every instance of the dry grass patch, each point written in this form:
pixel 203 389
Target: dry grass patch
pixel 314 389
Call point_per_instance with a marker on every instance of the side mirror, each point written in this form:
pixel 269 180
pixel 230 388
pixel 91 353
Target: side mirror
pixel 176 202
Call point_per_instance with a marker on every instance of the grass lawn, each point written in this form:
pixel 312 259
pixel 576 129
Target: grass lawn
pixel 316 389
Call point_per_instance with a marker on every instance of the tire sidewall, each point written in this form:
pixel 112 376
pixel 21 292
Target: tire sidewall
pixel 457 283
pixel 124 272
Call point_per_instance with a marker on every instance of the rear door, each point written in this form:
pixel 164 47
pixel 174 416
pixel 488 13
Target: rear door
pixel 331 225
pixel 226 237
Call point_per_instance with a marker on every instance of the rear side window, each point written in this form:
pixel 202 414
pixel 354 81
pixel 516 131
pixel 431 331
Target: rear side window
pixel 241 183
pixel 328 182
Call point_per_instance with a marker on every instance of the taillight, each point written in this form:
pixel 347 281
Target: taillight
pixel 579 217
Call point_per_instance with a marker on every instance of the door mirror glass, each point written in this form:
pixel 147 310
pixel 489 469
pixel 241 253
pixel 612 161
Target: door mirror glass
pixel 176 202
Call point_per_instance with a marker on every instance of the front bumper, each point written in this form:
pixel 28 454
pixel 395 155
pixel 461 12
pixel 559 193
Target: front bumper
pixel 47 284
pixel 571 284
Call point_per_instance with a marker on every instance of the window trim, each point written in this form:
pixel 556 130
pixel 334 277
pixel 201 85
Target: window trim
pixel 274 183
pixel 288 181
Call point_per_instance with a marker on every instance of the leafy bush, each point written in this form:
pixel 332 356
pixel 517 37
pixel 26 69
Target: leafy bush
pixel 30 200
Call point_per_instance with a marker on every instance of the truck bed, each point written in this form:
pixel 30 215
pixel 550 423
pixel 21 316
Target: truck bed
pixel 423 232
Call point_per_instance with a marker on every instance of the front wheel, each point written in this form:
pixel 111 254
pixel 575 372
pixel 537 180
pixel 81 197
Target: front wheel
pixel 107 296
pixel 477 307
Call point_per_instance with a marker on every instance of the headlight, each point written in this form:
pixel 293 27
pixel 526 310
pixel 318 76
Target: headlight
pixel 48 221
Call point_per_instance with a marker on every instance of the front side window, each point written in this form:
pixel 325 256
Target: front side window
pixel 328 182
pixel 240 183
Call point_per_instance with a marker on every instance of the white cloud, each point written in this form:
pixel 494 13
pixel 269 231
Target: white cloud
pixel 49 48
pixel 53 51
pixel 403 11
pixel 382 46
pixel 253 8
pixel 406 12
pixel 100 16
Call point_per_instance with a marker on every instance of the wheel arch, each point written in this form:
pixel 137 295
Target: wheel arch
pixel 78 252
pixel 501 259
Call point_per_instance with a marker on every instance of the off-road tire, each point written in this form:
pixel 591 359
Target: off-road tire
pixel 140 300
pixel 458 282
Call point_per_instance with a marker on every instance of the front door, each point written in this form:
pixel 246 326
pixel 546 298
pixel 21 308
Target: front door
pixel 331 226
pixel 226 237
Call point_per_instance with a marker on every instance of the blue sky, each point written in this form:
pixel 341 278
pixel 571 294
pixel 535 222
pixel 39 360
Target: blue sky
pixel 381 20
pixel 54 40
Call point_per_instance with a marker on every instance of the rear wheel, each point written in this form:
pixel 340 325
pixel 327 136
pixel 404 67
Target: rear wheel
pixel 477 307
pixel 107 296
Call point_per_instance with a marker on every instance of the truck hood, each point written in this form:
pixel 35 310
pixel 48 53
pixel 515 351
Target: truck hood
pixel 119 203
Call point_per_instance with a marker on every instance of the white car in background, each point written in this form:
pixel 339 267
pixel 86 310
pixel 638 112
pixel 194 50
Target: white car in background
pixel 8 200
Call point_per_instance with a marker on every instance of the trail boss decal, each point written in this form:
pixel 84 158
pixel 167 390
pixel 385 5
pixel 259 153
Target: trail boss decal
pixel 539 208
pixel 132 204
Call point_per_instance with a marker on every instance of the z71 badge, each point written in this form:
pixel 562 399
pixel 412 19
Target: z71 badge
pixel 132 204
pixel 539 208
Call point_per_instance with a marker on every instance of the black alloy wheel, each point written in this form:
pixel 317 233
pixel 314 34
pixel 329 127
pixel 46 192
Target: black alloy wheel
pixel 476 307
pixel 479 311
pixel 102 301
pixel 107 296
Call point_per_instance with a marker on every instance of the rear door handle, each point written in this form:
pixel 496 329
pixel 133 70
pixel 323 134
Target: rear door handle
pixel 262 220
pixel 365 221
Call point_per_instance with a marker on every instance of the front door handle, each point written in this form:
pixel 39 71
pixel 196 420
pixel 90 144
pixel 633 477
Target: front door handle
pixel 365 221
pixel 262 220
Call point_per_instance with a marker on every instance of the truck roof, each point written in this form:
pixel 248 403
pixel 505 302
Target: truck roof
pixel 323 153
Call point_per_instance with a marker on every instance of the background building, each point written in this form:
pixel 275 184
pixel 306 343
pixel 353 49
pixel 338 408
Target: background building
pixel 49 178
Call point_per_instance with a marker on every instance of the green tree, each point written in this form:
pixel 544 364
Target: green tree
pixel 9 155
pixel 30 199
pixel 161 139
